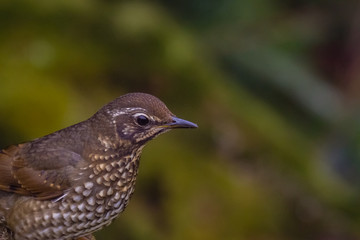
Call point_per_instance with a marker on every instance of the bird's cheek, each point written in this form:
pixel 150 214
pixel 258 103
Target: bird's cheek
pixel 149 135
pixel 125 131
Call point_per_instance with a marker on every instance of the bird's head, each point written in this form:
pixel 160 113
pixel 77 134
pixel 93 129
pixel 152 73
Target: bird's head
pixel 139 117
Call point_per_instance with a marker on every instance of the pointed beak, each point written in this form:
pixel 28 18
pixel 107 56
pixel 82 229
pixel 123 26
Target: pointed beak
pixel 180 123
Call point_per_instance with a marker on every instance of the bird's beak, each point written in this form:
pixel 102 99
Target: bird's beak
pixel 180 123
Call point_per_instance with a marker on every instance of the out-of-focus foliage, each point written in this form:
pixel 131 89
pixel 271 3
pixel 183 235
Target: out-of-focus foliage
pixel 273 85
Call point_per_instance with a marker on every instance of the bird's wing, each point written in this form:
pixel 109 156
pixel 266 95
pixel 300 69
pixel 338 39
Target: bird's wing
pixel 43 174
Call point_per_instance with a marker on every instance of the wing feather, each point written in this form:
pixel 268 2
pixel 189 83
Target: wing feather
pixel 42 173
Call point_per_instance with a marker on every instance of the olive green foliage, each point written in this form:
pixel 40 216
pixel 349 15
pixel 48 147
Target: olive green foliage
pixel 271 84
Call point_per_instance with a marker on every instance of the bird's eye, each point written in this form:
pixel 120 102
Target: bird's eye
pixel 142 120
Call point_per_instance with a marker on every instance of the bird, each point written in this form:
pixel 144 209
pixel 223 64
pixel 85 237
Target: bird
pixel 73 182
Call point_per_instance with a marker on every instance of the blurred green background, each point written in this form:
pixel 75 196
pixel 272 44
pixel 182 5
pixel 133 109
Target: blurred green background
pixel 273 84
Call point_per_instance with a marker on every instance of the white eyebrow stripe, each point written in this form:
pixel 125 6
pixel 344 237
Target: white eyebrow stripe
pixel 139 114
pixel 116 112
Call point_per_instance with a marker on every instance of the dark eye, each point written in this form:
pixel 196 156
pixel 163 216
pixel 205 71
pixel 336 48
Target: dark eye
pixel 142 120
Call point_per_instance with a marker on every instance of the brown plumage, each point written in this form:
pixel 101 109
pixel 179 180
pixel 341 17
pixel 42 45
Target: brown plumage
pixel 70 183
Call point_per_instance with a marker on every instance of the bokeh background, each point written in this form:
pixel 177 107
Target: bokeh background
pixel 273 84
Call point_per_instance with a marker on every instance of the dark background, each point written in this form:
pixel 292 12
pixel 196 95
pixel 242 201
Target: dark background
pixel 273 84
